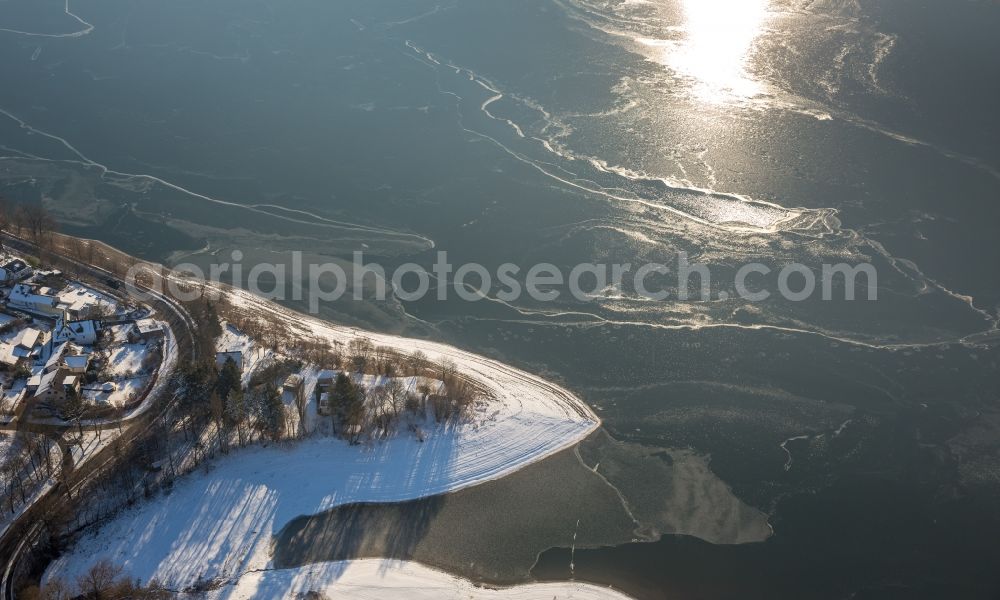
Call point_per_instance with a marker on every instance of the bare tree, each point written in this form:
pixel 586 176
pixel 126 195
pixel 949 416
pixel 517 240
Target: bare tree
pixel 10 472
pixel 416 363
pixel 15 217
pixel 384 357
pixel 423 392
pixel 54 589
pixel 448 370
pixel 37 220
pixel 360 352
pixel 396 392
pixel 101 310
pixel 217 408
pixel 72 247
pixel 378 401
pixel 462 394
pixel 100 580
pixel 4 218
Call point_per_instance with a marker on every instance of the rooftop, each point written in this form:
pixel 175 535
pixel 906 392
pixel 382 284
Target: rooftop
pixel 148 326
pixel 77 361
pixel 15 265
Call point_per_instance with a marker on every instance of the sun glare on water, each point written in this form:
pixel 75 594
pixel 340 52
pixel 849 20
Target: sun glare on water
pixel 716 39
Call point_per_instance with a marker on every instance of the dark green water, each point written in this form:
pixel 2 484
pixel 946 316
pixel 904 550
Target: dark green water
pixel 861 131
pixel 492 532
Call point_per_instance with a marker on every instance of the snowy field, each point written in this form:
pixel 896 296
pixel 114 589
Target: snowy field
pixel 127 359
pixel 392 580
pixel 219 525
pixel 125 391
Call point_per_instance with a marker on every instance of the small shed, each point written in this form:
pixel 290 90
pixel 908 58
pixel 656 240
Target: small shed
pixel 147 329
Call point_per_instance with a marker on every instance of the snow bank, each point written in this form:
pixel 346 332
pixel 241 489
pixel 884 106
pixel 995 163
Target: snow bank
pixel 391 580
pixel 219 525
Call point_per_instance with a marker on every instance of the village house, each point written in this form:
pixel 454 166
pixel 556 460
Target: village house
pixel 76 364
pixel 35 299
pixel 25 347
pixel 76 308
pixel 66 356
pixel 54 360
pixel 84 333
pixel 80 303
pixel 324 383
pixel 30 338
pixel 7 357
pixel 54 387
pixel 325 379
pixel 72 383
pixel 13 270
pixel 291 390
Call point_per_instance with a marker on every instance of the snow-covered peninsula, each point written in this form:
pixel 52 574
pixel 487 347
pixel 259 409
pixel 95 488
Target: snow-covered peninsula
pixel 217 525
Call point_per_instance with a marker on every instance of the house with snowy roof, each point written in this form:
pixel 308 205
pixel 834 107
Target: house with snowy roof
pixel 14 269
pixel 83 333
pixel 146 329
pixel 35 299
pixel 54 387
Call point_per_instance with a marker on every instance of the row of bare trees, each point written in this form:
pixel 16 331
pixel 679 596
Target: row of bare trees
pixel 27 463
pixel 378 408
pixel 103 581
pixel 22 219
pixel 357 409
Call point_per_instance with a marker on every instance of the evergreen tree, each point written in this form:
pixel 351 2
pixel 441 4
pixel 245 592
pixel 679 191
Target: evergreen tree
pixel 274 412
pixel 340 396
pixel 347 401
pixel 229 379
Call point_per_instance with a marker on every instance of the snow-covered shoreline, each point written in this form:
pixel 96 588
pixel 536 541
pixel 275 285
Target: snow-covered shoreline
pixel 219 525
pixel 491 374
pixel 376 579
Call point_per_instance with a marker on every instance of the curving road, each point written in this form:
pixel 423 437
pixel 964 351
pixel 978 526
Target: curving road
pixel 24 531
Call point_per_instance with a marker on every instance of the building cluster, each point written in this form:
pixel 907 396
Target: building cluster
pixel 50 329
